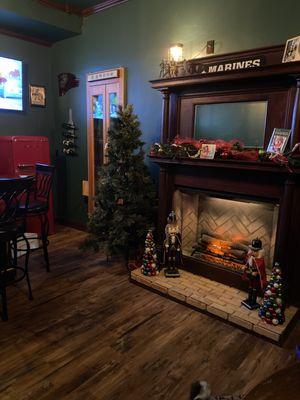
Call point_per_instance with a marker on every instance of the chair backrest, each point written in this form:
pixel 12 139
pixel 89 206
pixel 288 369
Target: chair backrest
pixel 44 179
pixel 13 194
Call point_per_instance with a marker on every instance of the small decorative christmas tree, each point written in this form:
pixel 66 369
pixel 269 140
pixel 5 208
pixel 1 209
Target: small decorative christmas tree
pixel 272 308
pixel 149 263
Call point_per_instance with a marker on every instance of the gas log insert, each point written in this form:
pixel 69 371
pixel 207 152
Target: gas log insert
pixel 218 230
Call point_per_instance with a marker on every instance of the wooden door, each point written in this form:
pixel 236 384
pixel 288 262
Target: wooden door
pixel 103 99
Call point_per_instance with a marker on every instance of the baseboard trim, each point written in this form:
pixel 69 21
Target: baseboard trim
pixel 70 224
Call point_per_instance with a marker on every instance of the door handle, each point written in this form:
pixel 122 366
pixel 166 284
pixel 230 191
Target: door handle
pixel 25 166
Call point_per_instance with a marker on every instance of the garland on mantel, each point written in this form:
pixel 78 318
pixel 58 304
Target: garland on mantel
pixel 182 148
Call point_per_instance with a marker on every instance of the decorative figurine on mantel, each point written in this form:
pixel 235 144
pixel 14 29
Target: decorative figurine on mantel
pixel 172 247
pixel 172 69
pixel 254 273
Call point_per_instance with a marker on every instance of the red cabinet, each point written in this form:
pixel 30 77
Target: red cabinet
pixel 18 156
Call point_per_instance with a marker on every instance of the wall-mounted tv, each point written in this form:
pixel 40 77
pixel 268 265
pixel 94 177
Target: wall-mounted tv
pixel 11 84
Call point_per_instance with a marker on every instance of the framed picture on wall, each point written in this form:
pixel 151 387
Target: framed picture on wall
pixel 292 50
pixel 37 96
pixel 279 140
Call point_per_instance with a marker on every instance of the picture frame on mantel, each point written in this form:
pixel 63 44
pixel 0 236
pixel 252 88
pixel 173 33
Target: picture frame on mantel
pixel 37 96
pixel 279 140
pixel 292 50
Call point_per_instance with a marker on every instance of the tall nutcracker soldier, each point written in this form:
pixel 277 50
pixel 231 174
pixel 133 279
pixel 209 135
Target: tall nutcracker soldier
pixel 254 273
pixel 172 247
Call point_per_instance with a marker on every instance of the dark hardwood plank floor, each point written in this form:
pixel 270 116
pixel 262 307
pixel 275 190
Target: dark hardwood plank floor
pixel 90 334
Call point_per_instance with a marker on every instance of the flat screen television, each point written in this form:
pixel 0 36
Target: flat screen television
pixel 11 84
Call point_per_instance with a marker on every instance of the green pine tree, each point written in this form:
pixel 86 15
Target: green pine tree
pixel 125 200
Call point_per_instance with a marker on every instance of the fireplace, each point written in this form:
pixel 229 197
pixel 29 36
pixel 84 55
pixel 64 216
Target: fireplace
pixel 222 205
pixel 217 230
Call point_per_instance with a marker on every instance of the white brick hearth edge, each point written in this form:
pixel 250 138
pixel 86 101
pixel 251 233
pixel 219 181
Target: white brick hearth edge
pixel 216 299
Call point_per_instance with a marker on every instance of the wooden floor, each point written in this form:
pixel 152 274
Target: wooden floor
pixel 90 334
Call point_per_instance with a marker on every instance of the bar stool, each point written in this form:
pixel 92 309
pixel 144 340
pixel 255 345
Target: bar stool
pixel 12 226
pixel 39 204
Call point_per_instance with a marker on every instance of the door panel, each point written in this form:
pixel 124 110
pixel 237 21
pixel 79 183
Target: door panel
pixel 103 99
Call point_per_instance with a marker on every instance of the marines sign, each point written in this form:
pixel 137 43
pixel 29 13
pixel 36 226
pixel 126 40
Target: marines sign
pixel 172 69
pixel 228 65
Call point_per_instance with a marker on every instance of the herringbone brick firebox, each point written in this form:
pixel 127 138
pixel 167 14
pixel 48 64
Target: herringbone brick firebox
pixel 219 230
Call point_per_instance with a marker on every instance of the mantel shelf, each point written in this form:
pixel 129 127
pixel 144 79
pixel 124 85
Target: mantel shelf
pixel 258 166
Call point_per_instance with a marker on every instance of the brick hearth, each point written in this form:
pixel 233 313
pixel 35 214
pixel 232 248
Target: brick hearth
pixel 214 298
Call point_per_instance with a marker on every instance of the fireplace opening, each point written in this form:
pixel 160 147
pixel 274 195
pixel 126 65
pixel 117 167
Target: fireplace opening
pixel 217 230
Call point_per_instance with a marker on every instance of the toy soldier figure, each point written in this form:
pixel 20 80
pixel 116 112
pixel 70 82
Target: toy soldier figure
pixel 172 247
pixel 173 69
pixel 162 69
pixel 254 273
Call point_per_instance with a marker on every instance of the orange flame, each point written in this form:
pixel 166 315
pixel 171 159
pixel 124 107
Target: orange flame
pixel 218 247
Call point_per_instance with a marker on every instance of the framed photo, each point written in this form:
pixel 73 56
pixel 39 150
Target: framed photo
pixel 37 96
pixel 208 151
pixel 292 50
pixel 279 140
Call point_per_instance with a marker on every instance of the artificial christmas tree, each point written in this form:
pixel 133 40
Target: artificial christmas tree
pixel 272 308
pixel 125 199
pixel 149 263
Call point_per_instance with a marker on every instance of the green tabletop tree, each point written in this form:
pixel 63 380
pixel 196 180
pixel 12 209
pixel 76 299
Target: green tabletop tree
pixel 149 262
pixel 125 196
pixel 272 308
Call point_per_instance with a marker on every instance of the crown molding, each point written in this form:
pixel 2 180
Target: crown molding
pixel 86 11
pixel 101 7
pixel 23 36
pixel 61 7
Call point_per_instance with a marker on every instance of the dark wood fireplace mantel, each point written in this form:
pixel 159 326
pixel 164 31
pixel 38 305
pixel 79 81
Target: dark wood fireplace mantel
pixel 279 85
pixel 260 166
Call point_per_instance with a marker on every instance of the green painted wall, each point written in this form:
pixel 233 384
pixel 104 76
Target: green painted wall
pixel 38 66
pixel 137 35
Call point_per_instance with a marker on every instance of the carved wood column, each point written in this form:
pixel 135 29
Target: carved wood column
pixel 284 253
pixel 296 115
pixel 162 203
pixel 165 115
pixel 165 198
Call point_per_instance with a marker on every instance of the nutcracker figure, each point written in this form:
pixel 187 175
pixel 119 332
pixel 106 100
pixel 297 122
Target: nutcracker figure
pixel 172 247
pixel 254 273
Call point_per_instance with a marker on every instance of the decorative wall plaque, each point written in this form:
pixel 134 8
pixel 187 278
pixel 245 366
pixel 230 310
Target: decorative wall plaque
pixel 172 69
pixel 101 75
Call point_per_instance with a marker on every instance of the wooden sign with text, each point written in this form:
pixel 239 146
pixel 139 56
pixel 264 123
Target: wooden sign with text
pixel 232 65
pixel 101 75
pixel 172 69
